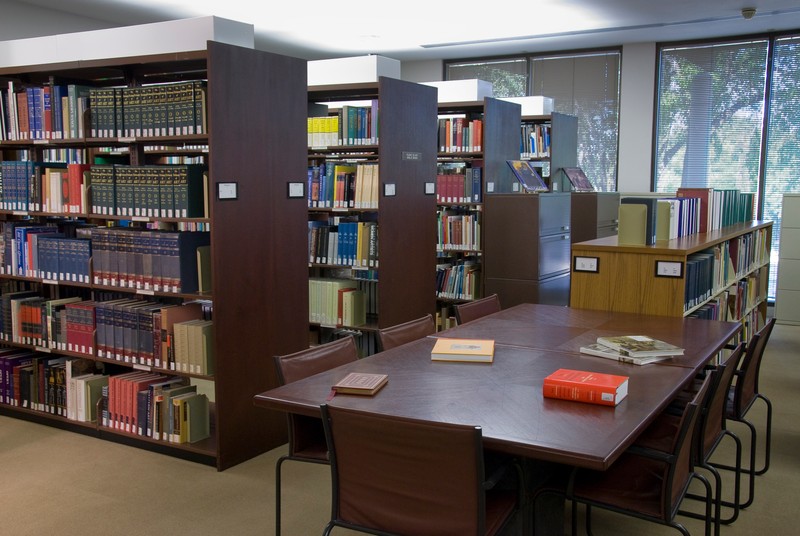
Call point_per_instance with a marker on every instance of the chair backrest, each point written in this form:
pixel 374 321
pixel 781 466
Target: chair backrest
pixel 405 476
pixel 305 363
pixel 712 418
pixel 678 473
pixel 746 388
pixel 406 332
pixel 306 434
pixel 466 312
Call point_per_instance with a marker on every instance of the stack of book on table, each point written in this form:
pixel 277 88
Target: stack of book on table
pixel 636 349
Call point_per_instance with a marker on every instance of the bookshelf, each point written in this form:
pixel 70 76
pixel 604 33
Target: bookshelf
pixel 667 278
pixel 254 144
pixel 559 151
pixel 461 216
pixel 400 286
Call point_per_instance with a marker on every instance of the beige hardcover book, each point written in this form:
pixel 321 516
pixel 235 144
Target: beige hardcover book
pixel 663 218
pixel 632 224
pixel 469 350
pixel 204 268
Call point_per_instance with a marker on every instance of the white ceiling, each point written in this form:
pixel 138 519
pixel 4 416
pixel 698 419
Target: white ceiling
pixel 425 29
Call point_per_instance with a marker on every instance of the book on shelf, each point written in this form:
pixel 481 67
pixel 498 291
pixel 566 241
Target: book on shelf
pixel 600 350
pixel 578 179
pixel 360 383
pixel 639 346
pixel 706 198
pixel 528 177
pixel 632 229
pixel 651 204
pixel 467 350
pixel 586 386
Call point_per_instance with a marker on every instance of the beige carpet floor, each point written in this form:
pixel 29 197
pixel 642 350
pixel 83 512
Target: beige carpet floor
pixel 57 482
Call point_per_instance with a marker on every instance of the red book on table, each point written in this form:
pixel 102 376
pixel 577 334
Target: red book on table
pixel 586 386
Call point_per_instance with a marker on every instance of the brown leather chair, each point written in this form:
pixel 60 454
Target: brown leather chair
pixel 710 432
pixel 399 476
pixel 468 311
pixel 742 397
pixel 406 332
pixel 306 435
pixel 647 483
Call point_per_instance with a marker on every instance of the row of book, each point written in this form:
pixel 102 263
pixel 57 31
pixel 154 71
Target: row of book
pixel 460 134
pixel 43 252
pixel 534 141
pixel 165 191
pixel 75 111
pixel 42 382
pixel 458 282
pixel 711 271
pixel 48 112
pixel 458 232
pixel 177 109
pixel 46 187
pixel 739 303
pixel 336 302
pixel 158 406
pixel 349 125
pixel 128 330
pixel 339 185
pixel 162 261
pixel 142 259
pixel 644 220
pixel 458 183
pixel 343 243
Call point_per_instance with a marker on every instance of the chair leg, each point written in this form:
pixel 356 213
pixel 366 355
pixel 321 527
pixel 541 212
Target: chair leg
pixel 328 529
pixel 750 469
pixel 589 520
pixel 574 517
pixel 737 474
pixel 278 466
pixel 768 436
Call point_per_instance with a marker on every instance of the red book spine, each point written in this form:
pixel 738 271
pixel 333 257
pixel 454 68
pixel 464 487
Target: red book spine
pixel 582 386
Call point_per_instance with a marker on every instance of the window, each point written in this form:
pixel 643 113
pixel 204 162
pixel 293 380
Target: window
pixel 585 85
pixel 710 125
pixel 509 77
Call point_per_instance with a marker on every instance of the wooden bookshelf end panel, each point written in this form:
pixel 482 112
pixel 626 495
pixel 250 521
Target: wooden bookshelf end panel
pixel 626 282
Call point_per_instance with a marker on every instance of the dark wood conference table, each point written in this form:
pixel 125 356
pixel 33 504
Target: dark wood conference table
pixel 505 397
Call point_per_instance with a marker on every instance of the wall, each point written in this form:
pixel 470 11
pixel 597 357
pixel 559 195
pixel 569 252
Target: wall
pixel 19 21
pixel 637 100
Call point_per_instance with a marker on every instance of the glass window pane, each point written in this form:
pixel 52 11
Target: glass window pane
pixel 710 116
pixel 783 139
pixel 509 77
pixel 586 86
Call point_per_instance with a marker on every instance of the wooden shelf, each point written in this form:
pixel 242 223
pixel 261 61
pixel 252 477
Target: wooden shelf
pixel 627 280
pixel 260 298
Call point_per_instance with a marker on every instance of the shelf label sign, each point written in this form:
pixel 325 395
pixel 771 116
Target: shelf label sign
pixel 669 269
pixel 410 155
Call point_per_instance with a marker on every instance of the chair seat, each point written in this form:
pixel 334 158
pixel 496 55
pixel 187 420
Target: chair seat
pixel 312 453
pixel 634 485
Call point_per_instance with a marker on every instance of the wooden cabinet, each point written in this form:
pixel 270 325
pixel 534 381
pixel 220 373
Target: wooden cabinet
pixel 528 247
pixel 787 294
pixel 405 155
pixel 594 215
pixel 664 279
pixel 254 146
